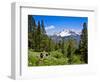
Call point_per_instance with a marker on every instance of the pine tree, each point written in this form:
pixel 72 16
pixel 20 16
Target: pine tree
pixel 83 44
pixel 69 53
pixel 71 49
pixel 31 32
pixel 34 34
pixel 30 23
pixel 42 27
pixel 50 47
pixel 34 25
pixel 56 46
pixel 63 46
pixel 38 36
pixel 60 44
pixel 30 29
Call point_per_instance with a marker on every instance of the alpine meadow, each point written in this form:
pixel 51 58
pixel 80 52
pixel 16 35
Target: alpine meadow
pixel 57 40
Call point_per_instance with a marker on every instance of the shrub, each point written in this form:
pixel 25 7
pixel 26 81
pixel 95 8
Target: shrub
pixel 57 54
pixel 32 58
pixel 76 59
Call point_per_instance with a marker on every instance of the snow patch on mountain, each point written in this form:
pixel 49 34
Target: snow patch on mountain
pixel 67 32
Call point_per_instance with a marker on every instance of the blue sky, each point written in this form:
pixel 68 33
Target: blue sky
pixel 55 24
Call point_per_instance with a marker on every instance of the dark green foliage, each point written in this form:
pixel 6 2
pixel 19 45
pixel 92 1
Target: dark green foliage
pixel 69 53
pixel 43 29
pixel 63 46
pixel 51 45
pixel 31 31
pixel 60 44
pixel 39 37
pixel 83 44
pixel 30 23
pixel 71 49
pixel 56 46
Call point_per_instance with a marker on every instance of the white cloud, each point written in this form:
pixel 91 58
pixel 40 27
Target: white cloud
pixel 50 27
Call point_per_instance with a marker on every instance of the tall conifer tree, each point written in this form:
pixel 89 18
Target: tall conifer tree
pixel 42 27
pixel 38 36
pixel 83 48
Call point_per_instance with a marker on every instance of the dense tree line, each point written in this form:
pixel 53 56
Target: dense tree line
pixel 37 37
pixel 39 41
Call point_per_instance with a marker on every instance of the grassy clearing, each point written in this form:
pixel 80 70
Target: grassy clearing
pixel 54 58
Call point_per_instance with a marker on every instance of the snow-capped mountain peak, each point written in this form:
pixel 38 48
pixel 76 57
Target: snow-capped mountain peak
pixel 66 32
